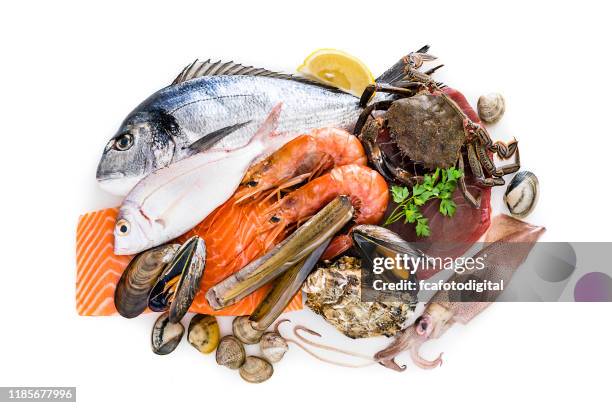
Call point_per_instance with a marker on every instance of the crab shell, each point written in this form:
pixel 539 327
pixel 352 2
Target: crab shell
pixel 427 129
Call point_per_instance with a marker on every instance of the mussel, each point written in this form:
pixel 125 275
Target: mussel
pixel 230 353
pixel 256 370
pixel 203 333
pixel 180 281
pixel 491 107
pixel 143 271
pixel 522 194
pixel 166 335
pixel 373 241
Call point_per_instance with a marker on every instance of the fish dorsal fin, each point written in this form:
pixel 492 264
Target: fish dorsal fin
pixel 198 69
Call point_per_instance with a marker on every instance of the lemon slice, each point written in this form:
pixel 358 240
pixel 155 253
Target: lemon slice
pixel 339 69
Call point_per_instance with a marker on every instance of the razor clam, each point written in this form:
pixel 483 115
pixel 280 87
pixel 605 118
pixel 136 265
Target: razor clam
pixel 166 335
pixel 522 194
pixel 203 333
pixel 323 225
pixel 256 370
pixel 285 287
pixel 180 281
pixel 491 107
pixel 132 292
pixel 230 353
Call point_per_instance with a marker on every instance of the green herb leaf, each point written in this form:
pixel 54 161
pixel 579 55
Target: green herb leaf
pixel 437 185
pixel 422 228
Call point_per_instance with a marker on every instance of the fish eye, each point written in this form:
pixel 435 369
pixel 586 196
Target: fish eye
pixel 124 141
pixel 252 183
pixel 123 228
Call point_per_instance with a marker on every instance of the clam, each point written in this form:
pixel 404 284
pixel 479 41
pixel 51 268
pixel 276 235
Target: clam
pixel 244 331
pixel 256 370
pixel 522 194
pixel 180 281
pixel 491 107
pixel 140 275
pixel 273 346
pixel 230 353
pixel 203 333
pixel 166 335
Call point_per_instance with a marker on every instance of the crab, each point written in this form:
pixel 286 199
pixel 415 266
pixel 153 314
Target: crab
pixel 430 126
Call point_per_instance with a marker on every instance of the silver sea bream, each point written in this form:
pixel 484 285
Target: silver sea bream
pixel 215 104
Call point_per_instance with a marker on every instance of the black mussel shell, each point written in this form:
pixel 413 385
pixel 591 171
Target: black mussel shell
pixel 180 280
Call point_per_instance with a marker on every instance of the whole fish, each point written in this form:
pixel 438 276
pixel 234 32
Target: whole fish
pixel 174 199
pixel 220 104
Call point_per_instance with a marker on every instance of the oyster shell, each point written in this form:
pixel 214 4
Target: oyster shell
pixel 334 292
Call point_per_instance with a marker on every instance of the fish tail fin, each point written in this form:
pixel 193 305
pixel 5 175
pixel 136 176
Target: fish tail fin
pixel 412 60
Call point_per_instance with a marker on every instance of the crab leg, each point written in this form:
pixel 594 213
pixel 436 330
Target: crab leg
pixel 513 242
pixel 474 202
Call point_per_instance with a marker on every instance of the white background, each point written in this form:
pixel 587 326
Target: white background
pixel 70 72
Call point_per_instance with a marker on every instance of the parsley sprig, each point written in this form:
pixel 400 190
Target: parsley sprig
pixel 437 185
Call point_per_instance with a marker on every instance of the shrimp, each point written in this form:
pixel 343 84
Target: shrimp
pixel 303 158
pixel 367 189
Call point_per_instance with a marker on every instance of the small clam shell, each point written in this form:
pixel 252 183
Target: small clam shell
pixel 166 335
pixel 273 346
pixel 491 107
pixel 256 370
pixel 180 281
pixel 244 330
pixel 522 194
pixel 230 353
pixel 139 277
pixel 203 333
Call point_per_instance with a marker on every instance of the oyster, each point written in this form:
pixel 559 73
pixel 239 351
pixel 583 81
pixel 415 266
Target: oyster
pixel 334 292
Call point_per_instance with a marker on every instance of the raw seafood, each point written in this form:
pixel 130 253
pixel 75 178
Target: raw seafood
pixel 174 199
pixel 334 292
pixel 522 194
pixel 220 105
pixel 431 130
pixel 366 189
pixel 291 251
pixel 139 277
pixel 441 312
pixel 99 270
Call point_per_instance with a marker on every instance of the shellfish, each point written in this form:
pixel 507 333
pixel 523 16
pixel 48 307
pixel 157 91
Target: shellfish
pixel 334 292
pixel 203 333
pixel 273 346
pixel 244 331
pixel 491 107
pixel 256 370
pixel 140 275
pixel 166 335
pixel 180 281
pixel 522 194
pixel 230 353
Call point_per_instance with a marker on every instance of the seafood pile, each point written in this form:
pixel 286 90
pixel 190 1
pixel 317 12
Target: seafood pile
pixel 243 187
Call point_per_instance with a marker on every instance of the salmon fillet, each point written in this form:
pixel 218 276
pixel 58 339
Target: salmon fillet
pixel 224 231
